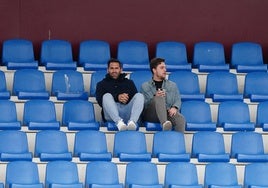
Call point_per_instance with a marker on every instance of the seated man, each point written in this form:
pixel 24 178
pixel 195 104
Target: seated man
pixel 162 99
pixel 119 98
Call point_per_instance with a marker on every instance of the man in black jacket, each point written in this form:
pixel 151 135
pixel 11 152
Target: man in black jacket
pixel 119 98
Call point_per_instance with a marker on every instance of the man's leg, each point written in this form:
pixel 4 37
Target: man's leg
pixel 136 104
pixel 178 121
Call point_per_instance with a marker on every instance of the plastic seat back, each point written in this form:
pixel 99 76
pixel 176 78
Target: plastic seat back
pixel 62 174
pixel 4 93
pixel 142 174
pixel 221 174
pixel 14 146
pixel 94 54
pixel 22 173
pixel 256 175
pixel 91 145
pixel 175 55
pixel 169 146
pixel 198 116
pixel 181 174
pixel 261 117
pixel 209 146
pixel 247 57
pixel 139 77
pixel 68 84
pixel 18 54
pixel 29 84
pixel 8 115
pixel 134 55
pixel 57 54
pixel 95 78
pixel 102 173
pixel 40 114
pixel 52 145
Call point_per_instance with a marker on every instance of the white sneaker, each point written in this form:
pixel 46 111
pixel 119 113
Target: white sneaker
pixel 167 126
pixel 121 125
pixel 131 126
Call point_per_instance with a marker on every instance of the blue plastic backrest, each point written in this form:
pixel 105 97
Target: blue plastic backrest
pixel 262 109
pixel 139 77
pixel 8 111
pixel 256 83
pixel 255 174
pixel 3 84
pixel 95 78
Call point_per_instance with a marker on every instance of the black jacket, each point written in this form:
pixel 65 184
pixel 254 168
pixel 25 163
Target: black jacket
pixel 115 87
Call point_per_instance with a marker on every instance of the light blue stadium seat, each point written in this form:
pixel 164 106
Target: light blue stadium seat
pixel 209 146
pixel 262 117
pixel 181 174
pixel 131 146
pixel 52 145
pixel 94 55
pixel 29 84
pixel 8 116
pixel 14 146
pixel 40 115
pixel 56 55
pixel 247 146
pixel 79 115
pixel 234 116
pixel 222 86
pixel 4 93
pixel 142 174
pixel 91 145
pixel 18 54
pixel 255 86
pixel 169 146
pixel 68 85
pixel 247 57
pixel 188 84
pixel 175 55
pixel 221 174
pixel 256 175
pixel 22 174
pixel 62 174
pixel 139 77
pixel 95 78
pixel 209 56
pixel 102 174
pixel 198 116
pixel 134 55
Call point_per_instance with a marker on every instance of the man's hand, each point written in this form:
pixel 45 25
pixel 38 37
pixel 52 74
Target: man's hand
pixel 123 98
pixel 172 111
pixel 160 93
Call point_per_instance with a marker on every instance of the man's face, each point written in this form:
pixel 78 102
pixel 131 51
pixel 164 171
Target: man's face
pixel 114 70
pixel 160 72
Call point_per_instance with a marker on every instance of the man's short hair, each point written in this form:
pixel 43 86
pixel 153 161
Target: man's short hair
pixel 155 62
pixel 114 60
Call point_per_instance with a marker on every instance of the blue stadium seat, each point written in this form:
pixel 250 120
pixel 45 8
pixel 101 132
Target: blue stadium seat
pixel 14 146
pixel 91 145
pixel 18 54
pixel 68 85
pixel 198 116
pixel 142 174
pixel 209 146
pixel 29 84
pixel 222 86
pixel 22 174
pixel 181 174
pixel 139 77
pixel 169 146
pixel 62 174
pixel 209 56
pixel 40 115
pixel 247 57
pixel 247 146
pixel 79 115
pixel 52 145
pixel 102 174
pixel 220 174
pixel 4 93
pixel 8 115
pixel 175 55
pixel 188 84
pixel 95 78
pixel 256 175
pixel 255 86
pixel 134 55
pixel 57 54
pixel 262 117
pixel 94 55
pixel 131 146
pixel 234 116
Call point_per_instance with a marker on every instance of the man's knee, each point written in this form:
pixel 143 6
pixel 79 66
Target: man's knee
pixel 139 97
pixel 107 97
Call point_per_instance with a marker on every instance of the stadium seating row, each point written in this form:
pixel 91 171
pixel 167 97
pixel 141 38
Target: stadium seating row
pixel 93 55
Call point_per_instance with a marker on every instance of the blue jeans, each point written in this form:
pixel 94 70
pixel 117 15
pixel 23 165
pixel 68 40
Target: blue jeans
pixel 114 111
